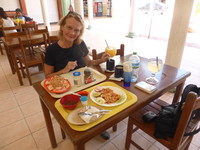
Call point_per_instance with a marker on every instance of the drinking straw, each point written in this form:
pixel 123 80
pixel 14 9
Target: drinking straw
pixel 107 43
pixel 157 60
pixel 108 47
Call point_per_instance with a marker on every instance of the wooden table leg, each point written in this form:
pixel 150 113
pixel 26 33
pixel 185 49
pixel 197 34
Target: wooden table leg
pixel 49 125
pixel 63 133
pixel 178 92
pixel 115 127
pixel 79 146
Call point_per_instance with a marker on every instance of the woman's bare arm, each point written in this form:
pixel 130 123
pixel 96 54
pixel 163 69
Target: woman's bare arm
pixel 90 62
pixel 49 70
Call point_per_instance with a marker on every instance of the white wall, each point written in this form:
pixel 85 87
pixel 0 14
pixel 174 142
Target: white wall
pixel 53 10
pixel 34 10
pixel 9 4
pixel 120 8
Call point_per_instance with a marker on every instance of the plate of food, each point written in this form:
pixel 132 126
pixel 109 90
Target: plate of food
pixel 57 84
pixel 85 115
pixel 108 96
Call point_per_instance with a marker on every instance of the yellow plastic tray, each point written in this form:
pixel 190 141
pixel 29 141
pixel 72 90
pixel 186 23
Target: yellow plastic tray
pixel 131 99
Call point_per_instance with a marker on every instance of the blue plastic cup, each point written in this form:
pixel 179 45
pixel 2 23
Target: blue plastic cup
pixel 127 78
pixel 84 100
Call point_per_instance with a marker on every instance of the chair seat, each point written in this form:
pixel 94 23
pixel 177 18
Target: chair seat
pixel 149 128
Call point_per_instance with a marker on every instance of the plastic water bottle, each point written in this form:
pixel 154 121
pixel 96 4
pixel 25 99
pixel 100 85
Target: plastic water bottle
pixel 135 60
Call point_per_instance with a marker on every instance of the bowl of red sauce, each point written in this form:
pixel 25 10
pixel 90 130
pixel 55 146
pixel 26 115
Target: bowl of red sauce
pixel 70 101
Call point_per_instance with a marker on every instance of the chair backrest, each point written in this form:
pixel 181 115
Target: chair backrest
pixel 9 29
pixel 192 103
pixel 28 26
pixel 34 46
pixel 10 36
pixel 96 56
pixel 38 32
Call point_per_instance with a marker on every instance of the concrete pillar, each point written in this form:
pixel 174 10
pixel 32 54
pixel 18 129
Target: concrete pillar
pixel 115 10
pixel 90 13
pixel 78 5
pixel 45 14
pixel 178 32
pixel 132 21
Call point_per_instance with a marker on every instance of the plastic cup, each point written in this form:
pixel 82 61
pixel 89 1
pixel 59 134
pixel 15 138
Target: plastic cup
pixel 84 100
pixel 110 64
pixel 17 20
pixel 118 71
pixel 127 68
pixel 127 78
pixel 112 51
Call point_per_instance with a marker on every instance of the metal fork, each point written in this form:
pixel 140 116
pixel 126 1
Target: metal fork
pixel 97 112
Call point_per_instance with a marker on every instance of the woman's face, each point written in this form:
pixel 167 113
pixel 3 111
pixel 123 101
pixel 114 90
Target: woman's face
pixel 71 29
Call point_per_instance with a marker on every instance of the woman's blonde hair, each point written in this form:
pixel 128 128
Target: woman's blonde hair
pixel 78 18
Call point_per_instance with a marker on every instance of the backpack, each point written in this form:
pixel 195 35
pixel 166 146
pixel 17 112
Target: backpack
pixel 167 119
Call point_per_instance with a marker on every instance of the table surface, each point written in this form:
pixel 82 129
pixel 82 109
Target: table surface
pixel 12 42
pixel 169 78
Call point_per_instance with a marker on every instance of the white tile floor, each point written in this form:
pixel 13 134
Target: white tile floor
pixel 22 125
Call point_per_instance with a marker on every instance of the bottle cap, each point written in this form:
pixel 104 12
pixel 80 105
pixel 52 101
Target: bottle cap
pixel 84 98
pixel 87 71
pixel 134 53
pixel 76 73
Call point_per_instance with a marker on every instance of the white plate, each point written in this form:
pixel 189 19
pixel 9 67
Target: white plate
pixel 115 90
pixel 75 119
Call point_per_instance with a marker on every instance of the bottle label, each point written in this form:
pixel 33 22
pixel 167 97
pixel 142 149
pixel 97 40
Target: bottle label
pixel 135 65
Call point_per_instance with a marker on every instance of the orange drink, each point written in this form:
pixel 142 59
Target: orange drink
pixel 17 20
pixel 111 51
pixel 22 21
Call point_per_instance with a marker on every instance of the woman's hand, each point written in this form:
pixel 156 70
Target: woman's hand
pixel 70 66
pixel 49 70
pixel 104 57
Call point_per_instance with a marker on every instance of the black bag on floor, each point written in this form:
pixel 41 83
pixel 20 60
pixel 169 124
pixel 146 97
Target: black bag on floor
pixel 167 119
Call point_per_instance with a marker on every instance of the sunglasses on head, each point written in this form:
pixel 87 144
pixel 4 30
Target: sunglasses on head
pixel 74 14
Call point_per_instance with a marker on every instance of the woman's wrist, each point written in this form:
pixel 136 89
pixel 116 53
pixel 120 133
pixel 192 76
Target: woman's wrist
pixel 65 70
pixel 98 61
pixel 101 60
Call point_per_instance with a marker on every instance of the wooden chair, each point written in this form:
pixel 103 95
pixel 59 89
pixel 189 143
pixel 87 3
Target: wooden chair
pixel 9 30
pixel 36 33
pixel 1 42
pixel 97 56
pixel 12 52
pixel 179 141
pixel 1 50
pixel 28 26
pixel 31 53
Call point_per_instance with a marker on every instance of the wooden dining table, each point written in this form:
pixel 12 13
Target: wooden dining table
pixel 13 43
pixel 169 77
